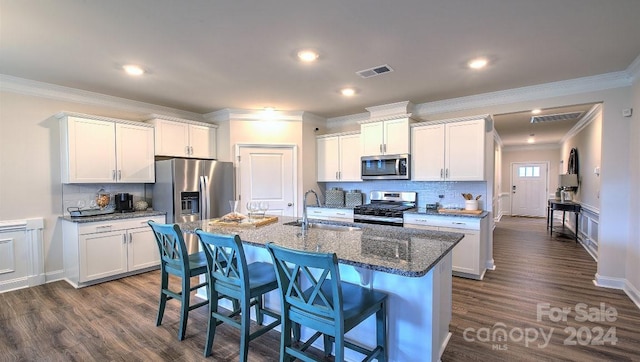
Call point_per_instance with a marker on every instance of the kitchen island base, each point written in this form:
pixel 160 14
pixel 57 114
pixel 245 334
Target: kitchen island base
pixel 419 310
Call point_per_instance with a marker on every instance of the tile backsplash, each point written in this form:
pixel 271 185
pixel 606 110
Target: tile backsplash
pixel 84 195
pixel 428 192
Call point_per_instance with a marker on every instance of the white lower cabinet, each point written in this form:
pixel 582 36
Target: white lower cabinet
pixel 470 253
pixel 96 251
pixel 330 214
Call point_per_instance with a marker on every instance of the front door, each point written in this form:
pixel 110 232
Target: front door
pixel 529 189
pixel 267 173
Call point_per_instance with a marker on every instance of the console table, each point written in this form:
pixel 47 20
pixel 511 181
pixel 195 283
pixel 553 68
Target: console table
pixel 564 206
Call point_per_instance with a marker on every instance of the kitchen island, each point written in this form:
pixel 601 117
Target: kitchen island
pixel 413 266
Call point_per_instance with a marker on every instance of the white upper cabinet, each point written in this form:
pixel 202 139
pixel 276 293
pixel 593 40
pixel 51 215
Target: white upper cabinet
pixel 338 157
pixel 103 150
pixel 427 153
pixel 449 151
pixel 184 138
pixel 134 153
pixel 387 137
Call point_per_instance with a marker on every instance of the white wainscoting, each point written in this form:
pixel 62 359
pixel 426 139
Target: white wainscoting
pixel 588 233
pixel 21 254
pixel 504 205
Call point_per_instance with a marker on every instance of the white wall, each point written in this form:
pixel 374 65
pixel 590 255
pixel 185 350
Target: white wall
pixel 588 142
pixel 29 161
pixel 633 247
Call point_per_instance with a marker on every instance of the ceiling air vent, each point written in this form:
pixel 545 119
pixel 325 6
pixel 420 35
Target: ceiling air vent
pixel 372 72
pixel 572 116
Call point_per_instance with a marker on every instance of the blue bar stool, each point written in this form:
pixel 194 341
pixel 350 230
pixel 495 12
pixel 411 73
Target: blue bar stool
pixel 321 306
pixel 175 260
pixel 229 275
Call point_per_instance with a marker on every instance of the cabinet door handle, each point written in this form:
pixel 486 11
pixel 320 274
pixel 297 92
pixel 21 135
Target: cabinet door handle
pixel 113 174
pixel 337 176
pixel 446 173
pixel 442 173
pixel 289 204
pixel 380 147
pixel 119 174
pixel 384 148
pixel 459 223
pixel 124 238
pixel 103 227
pixel 186 150
pixel 130 238
pixel 191 150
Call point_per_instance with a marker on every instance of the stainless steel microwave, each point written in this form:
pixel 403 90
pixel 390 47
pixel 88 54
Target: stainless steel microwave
pixel 385 167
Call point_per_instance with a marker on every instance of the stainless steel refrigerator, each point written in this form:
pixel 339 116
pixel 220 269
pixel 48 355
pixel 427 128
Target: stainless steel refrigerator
pixel 190 190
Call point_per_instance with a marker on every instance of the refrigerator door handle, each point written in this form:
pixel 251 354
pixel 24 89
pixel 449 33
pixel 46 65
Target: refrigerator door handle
pixel 204 212
pixel 207 197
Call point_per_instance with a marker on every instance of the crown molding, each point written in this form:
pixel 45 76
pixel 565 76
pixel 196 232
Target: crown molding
pixel 181 120
pixel 228 114
pixel 63 114
pixel 349 120
pixel 515 95
pixel 56 92
pixel 387 118
pixel 583 122
pixel 536 147
pixel 391 109
pixel 634 70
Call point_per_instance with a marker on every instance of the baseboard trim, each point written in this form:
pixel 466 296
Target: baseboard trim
pixel 14 284
pixel 445 342
pixel 632 292
pixel 54 276
pixel 619 283
pixel 608 282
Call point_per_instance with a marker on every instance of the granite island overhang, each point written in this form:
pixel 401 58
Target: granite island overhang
pixel 413 266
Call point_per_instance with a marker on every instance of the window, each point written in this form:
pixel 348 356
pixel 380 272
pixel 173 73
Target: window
pixel 529 171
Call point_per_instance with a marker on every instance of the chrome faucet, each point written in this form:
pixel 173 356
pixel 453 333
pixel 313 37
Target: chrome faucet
pixel 305 221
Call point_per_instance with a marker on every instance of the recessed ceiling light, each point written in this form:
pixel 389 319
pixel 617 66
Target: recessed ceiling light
pixel 307 55
pixel 133 69
pixel 348 92
pixel 536 111
pixel 531 138
pixel 478 63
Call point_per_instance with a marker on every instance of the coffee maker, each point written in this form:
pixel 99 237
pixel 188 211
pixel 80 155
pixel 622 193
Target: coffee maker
pixel 124 202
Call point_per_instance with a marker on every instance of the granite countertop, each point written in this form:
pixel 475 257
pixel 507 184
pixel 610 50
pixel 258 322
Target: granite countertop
pixel 423 211
pixel 114 216
pixel 396 250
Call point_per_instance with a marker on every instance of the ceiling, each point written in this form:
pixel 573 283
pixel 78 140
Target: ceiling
pixel 516 128
pixel 203 56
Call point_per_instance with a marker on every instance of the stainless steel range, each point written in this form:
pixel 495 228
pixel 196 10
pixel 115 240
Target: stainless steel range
pixel 385 208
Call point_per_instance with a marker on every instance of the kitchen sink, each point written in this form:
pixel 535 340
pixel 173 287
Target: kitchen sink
pixel 324 226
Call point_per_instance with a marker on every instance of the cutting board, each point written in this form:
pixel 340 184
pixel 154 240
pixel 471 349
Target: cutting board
pixel 246 222
pixel 460 211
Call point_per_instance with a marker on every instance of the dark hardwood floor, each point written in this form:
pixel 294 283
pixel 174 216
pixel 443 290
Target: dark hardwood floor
pixel 115 321
pixel 537 276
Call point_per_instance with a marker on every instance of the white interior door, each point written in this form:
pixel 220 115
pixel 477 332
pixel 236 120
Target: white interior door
pixel 267 173
pixel 529 189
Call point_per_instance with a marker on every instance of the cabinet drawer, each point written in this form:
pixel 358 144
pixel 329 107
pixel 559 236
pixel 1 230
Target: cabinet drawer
pixel 332 213
pixel 114 225
pixel 466 223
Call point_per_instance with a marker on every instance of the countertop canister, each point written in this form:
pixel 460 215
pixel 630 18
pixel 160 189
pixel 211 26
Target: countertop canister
pixel 334 197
